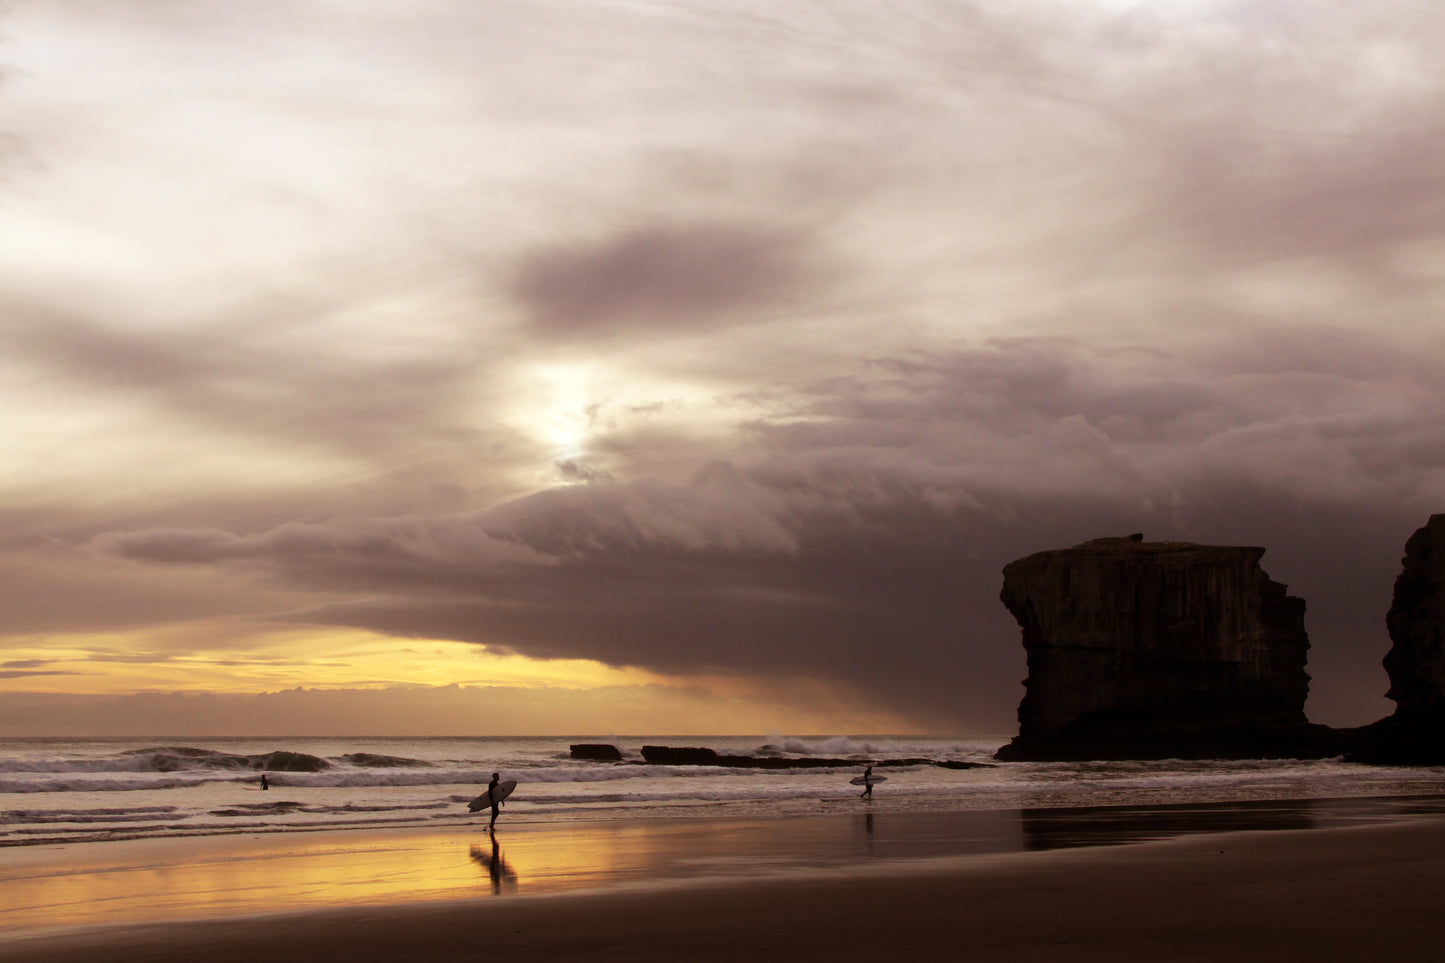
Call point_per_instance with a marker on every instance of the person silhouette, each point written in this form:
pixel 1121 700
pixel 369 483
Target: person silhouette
pixel 867 792
pixel 264 783
pixel 492 797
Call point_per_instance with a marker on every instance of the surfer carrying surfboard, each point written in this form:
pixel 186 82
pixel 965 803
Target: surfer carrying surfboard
pixel 867 792
pixel 497 790
pixel 495 799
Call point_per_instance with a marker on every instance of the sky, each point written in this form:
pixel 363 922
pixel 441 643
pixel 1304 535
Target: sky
pixel 615 366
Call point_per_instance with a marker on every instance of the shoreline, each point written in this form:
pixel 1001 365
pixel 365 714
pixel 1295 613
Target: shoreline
pixel 1342 893
pixel 63 892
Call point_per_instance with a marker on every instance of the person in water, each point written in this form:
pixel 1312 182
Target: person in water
pixel 867 792
pixel 492 795
pixel 264 783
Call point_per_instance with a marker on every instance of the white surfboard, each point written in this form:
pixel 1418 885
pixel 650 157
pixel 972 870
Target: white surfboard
pixel 861 781
pixel 484 801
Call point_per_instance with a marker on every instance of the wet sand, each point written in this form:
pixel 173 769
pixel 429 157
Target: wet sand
pixel 1349 892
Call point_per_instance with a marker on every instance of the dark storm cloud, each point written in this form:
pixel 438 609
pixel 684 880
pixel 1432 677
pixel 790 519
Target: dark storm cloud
pixel 862 537
pixel 1012 385
pixel 441 554
pixel 669 277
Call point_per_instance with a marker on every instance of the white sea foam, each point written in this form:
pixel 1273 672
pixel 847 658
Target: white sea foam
pixel 99 783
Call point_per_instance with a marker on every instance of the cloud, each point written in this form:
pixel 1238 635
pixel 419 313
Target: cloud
pixel 1323 152
pixel 275 379
pixel 664 278
pixel 29 668
pixel 349 555
pixel 861 535
pixel 759 353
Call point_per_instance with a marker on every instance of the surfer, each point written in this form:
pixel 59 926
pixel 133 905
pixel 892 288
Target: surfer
pixel 492 797
pixel 264 783
pixel 867 792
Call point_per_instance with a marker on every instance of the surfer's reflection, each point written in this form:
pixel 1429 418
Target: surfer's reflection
pixel 1112 825
pixel 497 867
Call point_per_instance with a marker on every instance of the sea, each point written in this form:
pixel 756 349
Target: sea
pixel 72 790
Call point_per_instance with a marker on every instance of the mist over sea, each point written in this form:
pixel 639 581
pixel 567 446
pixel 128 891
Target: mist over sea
pixel 78 790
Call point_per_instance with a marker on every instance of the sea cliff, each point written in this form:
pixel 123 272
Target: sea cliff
pixel 1415 733
pixel 1159 649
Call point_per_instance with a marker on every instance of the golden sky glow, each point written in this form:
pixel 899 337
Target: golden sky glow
pixel 559 695
pixel 127 662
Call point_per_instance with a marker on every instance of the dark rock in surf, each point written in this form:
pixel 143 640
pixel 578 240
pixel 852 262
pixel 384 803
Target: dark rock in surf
pixel 1415 733
pixel 692 756
pixel 679 756
pixel 1148 650
pixel 601 751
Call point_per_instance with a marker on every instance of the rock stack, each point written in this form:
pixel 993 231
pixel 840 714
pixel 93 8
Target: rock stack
pixel 1145 650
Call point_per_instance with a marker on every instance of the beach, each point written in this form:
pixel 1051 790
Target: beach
pixel 1365 890
pixel 134 850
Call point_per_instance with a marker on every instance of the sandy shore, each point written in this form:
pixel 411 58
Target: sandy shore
pixel 1361 893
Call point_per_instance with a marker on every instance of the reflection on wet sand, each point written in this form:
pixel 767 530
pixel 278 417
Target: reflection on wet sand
pixel 1115 825
pixel 220 876
pixel 1065 828
pixel 497 867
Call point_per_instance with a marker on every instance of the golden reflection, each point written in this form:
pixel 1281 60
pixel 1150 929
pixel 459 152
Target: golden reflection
pixel 215 876
pixel 182 878
pixel 497 869
pixel 187 878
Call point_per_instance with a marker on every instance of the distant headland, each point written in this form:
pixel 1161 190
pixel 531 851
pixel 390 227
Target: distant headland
pixel 1150 650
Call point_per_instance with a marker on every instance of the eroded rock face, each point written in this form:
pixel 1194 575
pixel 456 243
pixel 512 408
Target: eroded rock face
pixel 1159 649
pixel 1415 733
pixel 1416 620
